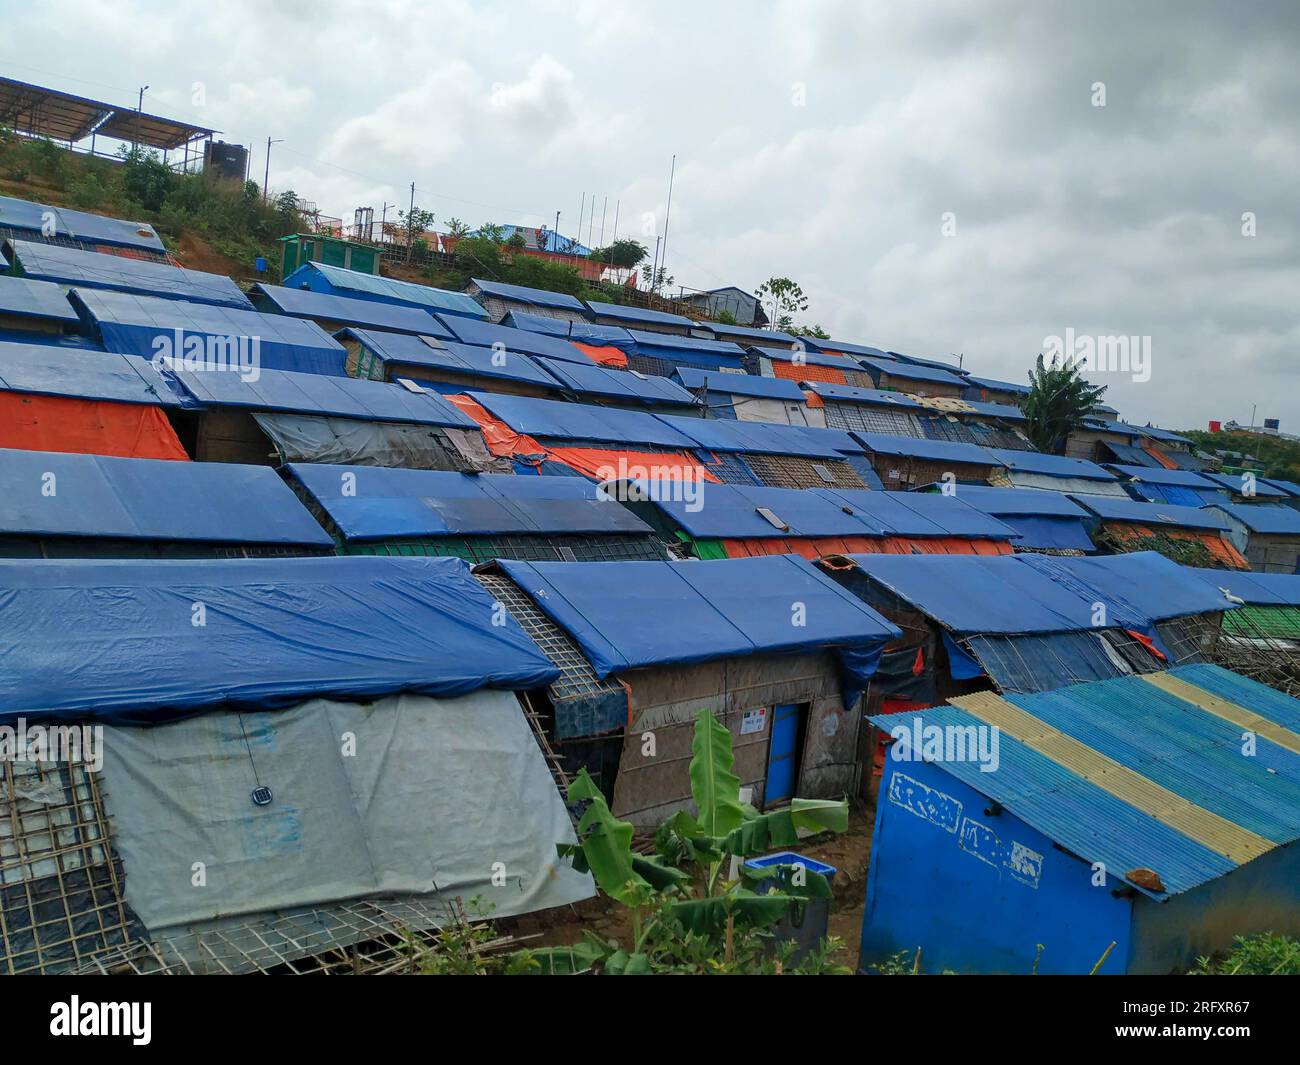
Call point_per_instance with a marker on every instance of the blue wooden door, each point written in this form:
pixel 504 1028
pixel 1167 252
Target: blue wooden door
pixel 782 755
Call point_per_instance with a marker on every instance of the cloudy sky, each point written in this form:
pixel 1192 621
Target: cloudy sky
pixel 941 178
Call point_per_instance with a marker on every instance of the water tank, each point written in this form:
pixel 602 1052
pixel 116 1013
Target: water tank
pixel 229 161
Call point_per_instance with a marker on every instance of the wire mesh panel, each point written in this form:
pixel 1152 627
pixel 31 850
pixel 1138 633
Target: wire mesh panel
pixel 1194 638
pixel 648 364
pixel 521 548
pixel 729 468
pixel 794 471
pixel 851 416
pixel 61 883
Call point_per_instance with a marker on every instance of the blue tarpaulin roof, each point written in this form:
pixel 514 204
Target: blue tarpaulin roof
pixel 116 640
pixel 818 344
pixel 90 269
pixel 387 503
pixel 403 350
pixel 1152 475
pixel 1123 509
pixel 315 394
pixel 747 332
pixel 997 386
pixel 626 615
pixel 929 450
pixel 714 434
pixel 1132 455
pixel 341 282
pixel 1161 434
pixel 1236 484
pixel 150 499
pixel 558 420
pixel 994 410
pixel 36 299
pixel 807 356
pixel 1260 589
pixel 910 371
pixel 1050 465
pixel 739 384
pixel 1289 488
pixel 593 380
pixel 138 325
pixel 537 297
pixel 668 346
pixel 611 336
pixel 919 514
pixel 77 225
pixel 53 371
pixel 1263 518
pixel 485 334
pixel 632 315
pixel 872 397
pixel 344 310
pixel 1045 520
pixel 1173 743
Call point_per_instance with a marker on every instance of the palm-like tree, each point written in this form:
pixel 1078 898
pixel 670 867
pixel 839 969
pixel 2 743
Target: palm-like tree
pixel 1059 399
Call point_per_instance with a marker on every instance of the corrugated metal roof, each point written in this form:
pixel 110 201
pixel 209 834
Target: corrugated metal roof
pixel 1160 746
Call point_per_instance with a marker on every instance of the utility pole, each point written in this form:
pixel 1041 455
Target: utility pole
pixel 410 225
pixel 557 231
pixel 668 214
pixel 139 108
pixel 604 207
pixel 266 180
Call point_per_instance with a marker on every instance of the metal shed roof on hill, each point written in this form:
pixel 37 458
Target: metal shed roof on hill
pixel 316 394
pixel 558 420
pixel 92 269
pixel 1142 772
pixel 150 499
pixel 1050 465
pixel 115 640
pixel 485 334
pixel 402 349
pixel 304 303
pixel 137 325
pixel 81 226
pixel 929 450
pixel 631 315
pixel 593 380
pixel 36 299
pixel 1262 518
pixel 53 371
pixel 739 384
pixel 373 287
pixel 392 503
pixel 538 297
pixel 685 612
pixel 1123 509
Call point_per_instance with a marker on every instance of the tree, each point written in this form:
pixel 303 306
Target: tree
pixel 654 280
pixel 787 299
pixel 414 222
pixel 517 240
pixel 1059 399
pixel 145 177
pixel 456 228
pixel 625 253
pixel 491 231
pixel 809 331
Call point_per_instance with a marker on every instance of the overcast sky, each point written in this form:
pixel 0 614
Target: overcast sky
pixel 939 177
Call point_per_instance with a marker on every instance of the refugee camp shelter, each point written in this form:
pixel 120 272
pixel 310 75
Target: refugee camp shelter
pixel 1045 521
pixel 904 462
pixel 745 335
pixel 26 220
pixel 743 397
pixel 921 380
pixel 661 354
pixel 1266 533
pixel 992 425
pixel 223 687
pixel 1060 473
pixel 607 345
pixel 737 521
pixel 293 417
pixel 988 390
pixel 477 517
pixel 1245 487
pixel 60 505
pixel 1261 639
pixel 500 299
pixel 90 269
pixel 34 307
pixel 1159 485
pixel 867 410
pixel 775 650
pixel 1188 535
pixel 1114 812
pixel 444 365
pixel 336 281
pixel 204 333
pixel 521 341
pixel 298 249
pixel 90 402
pixel 802 363
pixel 639 318
pixel 333 313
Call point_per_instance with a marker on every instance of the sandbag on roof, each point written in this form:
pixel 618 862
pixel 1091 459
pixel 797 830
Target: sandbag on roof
pixel 739 384
pixel 149 326
pixel 25 298
pixel 118 640
pixel 78 225
pixel 316 394
pixel 1123 509
pixel 625 615
pixel 557 420
pixel 91 269
pixel 150 499
pixel 486 335
pixel 93 375
pixel 535 296
pixel 345 310
pixel 382 503
pixel 624 385
pixel 447 355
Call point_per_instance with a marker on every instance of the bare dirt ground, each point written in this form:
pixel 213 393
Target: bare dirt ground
pixel 848 852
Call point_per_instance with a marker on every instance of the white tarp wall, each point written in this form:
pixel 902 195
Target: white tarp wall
pixel 437 795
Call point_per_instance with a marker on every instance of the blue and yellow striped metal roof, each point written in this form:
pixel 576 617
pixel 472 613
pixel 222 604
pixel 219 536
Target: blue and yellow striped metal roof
pixel 1142 772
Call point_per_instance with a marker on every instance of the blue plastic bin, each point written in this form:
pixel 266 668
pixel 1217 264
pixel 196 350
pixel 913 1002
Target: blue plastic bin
pixel 810 923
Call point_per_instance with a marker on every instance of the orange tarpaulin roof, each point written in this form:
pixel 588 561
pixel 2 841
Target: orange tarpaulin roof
pixel 602 355
pixel 813 548
pixel 789 371
pixel 1159 456
pixel 87 427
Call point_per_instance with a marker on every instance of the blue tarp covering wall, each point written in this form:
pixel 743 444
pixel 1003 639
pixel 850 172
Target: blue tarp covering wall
pixel 53 371
pixel 116 641
pixel 388 503
pixel 36 299
pixel 334 280
pixel 78 225
pixel 625 615
pixel 485 335
pixel 150 499
pixel 90 269
pixel 404 356
pixel 536 296
pixel 344 310
pixel 316 394
pixel 147 326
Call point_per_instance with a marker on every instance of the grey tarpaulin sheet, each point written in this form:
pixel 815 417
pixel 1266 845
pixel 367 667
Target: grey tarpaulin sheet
pixel 350 441
pixel 437 793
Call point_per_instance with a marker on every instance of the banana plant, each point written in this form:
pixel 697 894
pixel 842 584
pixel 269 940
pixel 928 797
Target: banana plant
pixel 686 882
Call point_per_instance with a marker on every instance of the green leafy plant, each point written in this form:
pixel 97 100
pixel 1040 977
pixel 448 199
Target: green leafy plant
pixel 787 299
pixel 1261 955
pixel 1059 400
